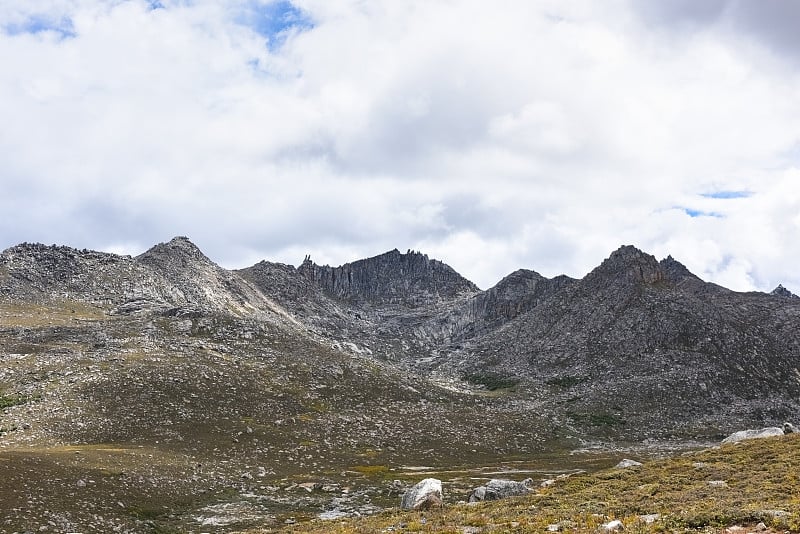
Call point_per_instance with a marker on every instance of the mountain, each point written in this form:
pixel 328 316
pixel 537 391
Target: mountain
pixel 644 348
pixel 164 376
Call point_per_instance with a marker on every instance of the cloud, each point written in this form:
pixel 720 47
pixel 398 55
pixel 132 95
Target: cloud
pixel 539 135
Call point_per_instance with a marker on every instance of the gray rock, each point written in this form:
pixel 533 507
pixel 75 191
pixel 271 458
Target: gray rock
pixel 613 526
pixel 781 291
pixel 742 435
pixel 411 278
pixel 426 494
pixel 500 489
pixel 789 428
pixel 624 464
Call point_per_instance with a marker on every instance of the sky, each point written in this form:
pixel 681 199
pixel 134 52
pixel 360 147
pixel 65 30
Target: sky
pixel 536 134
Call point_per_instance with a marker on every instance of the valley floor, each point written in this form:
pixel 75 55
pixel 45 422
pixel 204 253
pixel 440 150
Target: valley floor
pixel 746 487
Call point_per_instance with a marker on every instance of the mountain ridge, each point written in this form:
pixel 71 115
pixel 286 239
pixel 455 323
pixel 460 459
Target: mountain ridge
pixel 222 383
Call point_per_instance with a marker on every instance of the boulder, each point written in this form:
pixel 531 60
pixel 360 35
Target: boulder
pixel 424 495
pixel 624 464
pixel 500 489
pixel 742 435
pixel 613 526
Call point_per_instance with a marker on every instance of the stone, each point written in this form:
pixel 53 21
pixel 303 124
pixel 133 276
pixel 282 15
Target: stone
pixel 761 527
pixel 742 435
pixel 500 489
pixel 626 463
pixel 613 526
pixel 478 494
pixel 426 494
pixel 649 519
pixel 789 428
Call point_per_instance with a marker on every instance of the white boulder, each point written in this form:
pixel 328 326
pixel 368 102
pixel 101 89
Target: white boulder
pixel 742 435
pixel 424 495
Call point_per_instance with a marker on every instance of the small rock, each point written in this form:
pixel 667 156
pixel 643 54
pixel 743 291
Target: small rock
pixel 500 489
pixel 776 514
pixel 761 527
pixel 649 519
pixel 789 428
pixel 613 526
pixel 554 527
pixel 717 483
pixel 624 464
pixel 310 486
pixel 424 495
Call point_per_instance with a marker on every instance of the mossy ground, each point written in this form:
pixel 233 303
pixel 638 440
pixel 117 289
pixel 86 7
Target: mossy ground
pixel 760 477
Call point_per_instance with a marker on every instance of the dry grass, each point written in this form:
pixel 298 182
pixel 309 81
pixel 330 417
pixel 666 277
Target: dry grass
pixel 759 476
pixel 61 313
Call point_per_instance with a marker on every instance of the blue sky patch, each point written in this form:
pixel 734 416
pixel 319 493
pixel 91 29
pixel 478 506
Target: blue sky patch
pixel 727 194
pixel 37 24
pixel 699 213
pixel 275 20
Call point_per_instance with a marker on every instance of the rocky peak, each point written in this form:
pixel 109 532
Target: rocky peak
pixel 179 250
pixel 390 278
pixel 781 291
pixel 675 271
pixel 627 264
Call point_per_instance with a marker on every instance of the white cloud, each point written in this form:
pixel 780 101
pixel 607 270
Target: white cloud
pixel 534 134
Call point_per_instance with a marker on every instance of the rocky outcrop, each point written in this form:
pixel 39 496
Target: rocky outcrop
pixel 425 495
pixel 499 488
pixel 743 435
pixel 781 291
pixel 410 279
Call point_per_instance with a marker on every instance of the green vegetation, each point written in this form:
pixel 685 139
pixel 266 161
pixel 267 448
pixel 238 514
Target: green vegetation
pixel 565 381
pixel 371 470
pixel 7 401
pixel 761 484
pixel 492 382
pixel 56 313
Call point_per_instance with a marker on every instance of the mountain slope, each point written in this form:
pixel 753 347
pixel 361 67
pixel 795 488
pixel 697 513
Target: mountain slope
pixel 170 376
pixel 642 348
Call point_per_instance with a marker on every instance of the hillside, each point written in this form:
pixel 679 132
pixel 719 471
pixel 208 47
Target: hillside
pixel 195 395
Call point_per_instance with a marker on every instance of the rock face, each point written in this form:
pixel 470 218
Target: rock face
pixel 498 488
pixel 391 278
pixel 425 495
